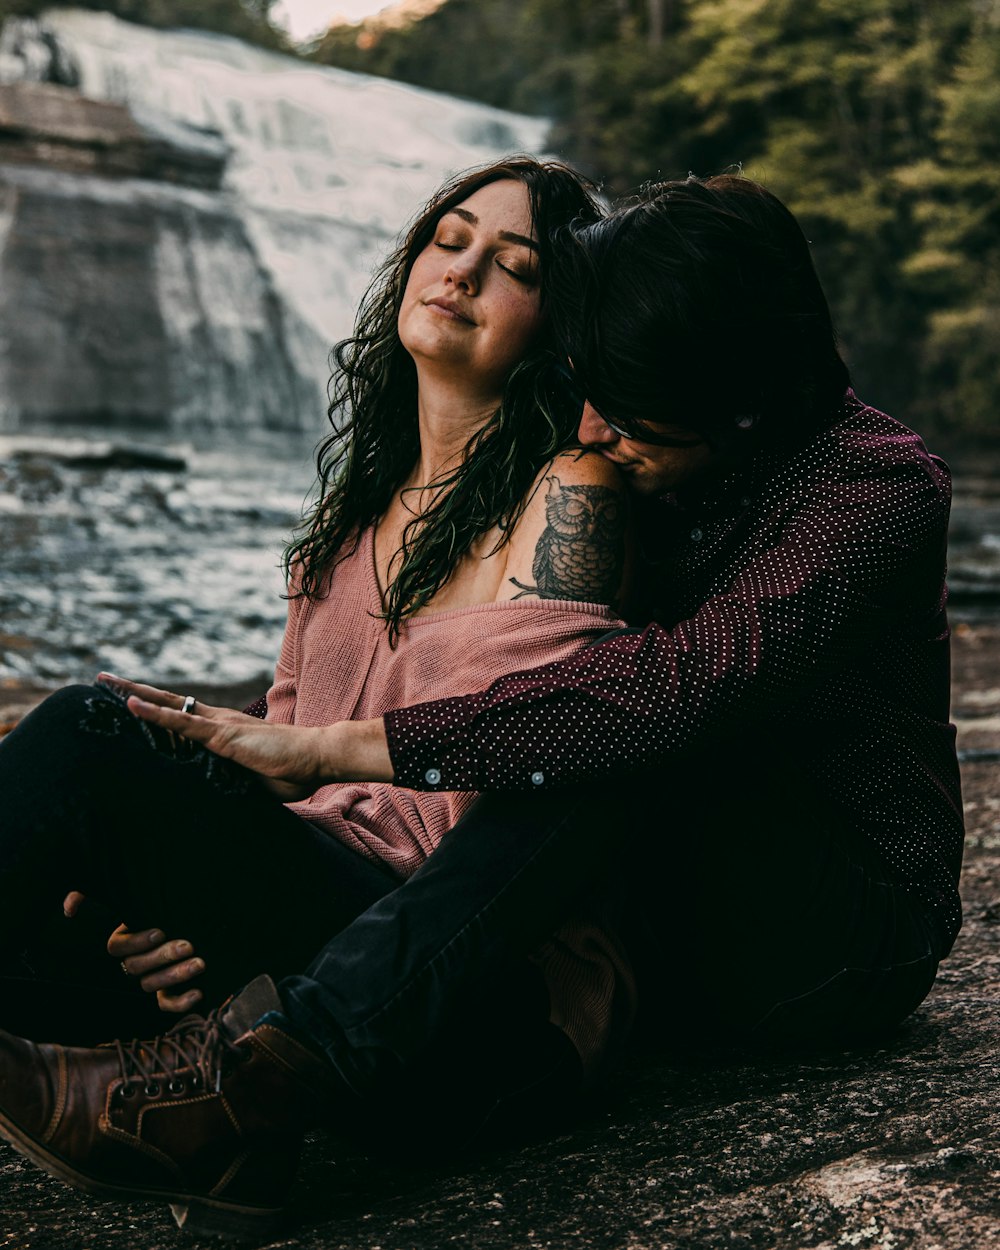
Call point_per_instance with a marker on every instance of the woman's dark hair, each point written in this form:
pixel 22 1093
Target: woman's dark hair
pixel 373 409
pixel 701 307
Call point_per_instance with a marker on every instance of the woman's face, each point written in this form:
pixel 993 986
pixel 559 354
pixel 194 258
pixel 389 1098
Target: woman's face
pixel 471 306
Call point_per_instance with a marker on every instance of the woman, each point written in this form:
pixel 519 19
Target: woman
pixel 453 540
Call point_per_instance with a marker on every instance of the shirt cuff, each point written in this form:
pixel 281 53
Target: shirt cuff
pixel 431 745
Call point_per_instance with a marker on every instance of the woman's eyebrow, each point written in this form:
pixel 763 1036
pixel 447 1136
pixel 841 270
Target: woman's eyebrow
pixel 507 235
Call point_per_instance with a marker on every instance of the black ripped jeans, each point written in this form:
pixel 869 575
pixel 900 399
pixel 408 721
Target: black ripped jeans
pixel 742 925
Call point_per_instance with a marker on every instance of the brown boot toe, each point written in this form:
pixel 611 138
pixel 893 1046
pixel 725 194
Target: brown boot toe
pixel 209 1117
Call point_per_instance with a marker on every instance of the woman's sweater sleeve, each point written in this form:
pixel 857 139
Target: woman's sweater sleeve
pixel 282 694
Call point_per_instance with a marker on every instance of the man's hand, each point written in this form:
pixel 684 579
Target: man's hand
pixel 164 968
pixel 293 761
pixel 217 728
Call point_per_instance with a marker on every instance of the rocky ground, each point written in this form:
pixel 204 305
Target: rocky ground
pixel 888 1148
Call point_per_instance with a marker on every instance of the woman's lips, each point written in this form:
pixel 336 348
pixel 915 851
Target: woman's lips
pixel 449 310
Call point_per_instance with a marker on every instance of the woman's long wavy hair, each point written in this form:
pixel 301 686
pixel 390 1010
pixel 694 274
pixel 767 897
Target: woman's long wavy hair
pixel 373 410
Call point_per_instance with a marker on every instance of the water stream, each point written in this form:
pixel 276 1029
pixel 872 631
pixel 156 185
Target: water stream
pixel 158 570
pixel 169 569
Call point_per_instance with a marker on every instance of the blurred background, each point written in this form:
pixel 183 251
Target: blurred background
pixel 193 194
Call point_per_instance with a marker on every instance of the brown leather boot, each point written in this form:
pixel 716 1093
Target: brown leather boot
pixel 209 1117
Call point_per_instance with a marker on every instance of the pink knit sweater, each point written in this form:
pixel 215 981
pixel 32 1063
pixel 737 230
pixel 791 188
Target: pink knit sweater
pixel 336 664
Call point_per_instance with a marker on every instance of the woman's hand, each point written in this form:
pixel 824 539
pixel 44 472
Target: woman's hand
pixel 164 968
pixel 293 761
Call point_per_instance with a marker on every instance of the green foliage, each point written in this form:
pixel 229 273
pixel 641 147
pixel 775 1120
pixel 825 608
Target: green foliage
pixel 878 121
pixel 245 19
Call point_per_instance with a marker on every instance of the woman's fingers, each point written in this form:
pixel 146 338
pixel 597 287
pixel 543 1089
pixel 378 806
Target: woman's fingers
pixel 163 968
pixel 153 693
pixel 173 976
pixel 123 943
pixel 178 1002
pixel 165 955
pixel 71 904
pixel 157 963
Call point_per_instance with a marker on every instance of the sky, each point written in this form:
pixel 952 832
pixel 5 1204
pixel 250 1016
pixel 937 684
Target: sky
pixel 303 18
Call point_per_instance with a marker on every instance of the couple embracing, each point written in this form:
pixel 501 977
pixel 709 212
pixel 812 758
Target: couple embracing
pixel 612 704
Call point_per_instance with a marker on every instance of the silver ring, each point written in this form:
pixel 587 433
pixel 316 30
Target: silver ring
pixel 188 704
pixel 125 970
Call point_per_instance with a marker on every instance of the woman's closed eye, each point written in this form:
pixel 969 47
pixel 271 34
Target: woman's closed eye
pixel 521 270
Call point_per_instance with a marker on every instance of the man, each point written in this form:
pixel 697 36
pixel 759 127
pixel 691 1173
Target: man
pixel 765 774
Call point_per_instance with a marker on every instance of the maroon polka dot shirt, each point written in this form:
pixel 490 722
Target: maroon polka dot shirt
pixel 800 600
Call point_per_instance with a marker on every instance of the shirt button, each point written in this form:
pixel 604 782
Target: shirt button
pixel 696 536
pixel 537 778
pixel 432 776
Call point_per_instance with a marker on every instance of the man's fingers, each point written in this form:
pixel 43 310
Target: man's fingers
pixel 191 725
pixel 154 695
pixel 173 976
pixel 123 942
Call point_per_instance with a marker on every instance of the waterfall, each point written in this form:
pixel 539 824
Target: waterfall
pixel 142 300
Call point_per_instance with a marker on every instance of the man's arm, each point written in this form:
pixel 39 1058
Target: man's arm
pixel 852 560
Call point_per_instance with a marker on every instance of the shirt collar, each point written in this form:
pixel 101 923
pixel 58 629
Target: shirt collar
pixel 737 486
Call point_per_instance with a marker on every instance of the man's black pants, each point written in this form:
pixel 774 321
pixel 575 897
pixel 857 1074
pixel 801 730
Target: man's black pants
pixel 748 913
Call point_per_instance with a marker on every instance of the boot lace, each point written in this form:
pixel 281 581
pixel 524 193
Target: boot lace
pixel 196 1045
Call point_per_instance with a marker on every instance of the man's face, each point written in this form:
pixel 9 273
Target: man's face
pixel 650 469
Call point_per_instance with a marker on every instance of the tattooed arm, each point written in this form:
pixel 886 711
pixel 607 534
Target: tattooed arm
pixel 574 538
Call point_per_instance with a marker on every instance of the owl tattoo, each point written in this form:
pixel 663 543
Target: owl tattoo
pixel 582 548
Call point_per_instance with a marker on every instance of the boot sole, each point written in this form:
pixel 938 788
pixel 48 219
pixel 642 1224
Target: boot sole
pixel 192 1212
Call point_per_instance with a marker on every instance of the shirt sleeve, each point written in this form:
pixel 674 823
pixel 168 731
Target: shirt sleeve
pixel 837 565
pixel 280 699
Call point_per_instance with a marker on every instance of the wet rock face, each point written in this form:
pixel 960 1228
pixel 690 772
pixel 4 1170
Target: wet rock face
pixel 187 223
pixel 110 309
pixel 56 127
pixel 129 293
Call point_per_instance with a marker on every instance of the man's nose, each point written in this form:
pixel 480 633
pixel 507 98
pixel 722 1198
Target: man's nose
pixel 594 430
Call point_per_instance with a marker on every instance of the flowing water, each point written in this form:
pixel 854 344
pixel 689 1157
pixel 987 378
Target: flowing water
pixel 165 570
pixel 162 561
pixel 166 565
pixel 186 306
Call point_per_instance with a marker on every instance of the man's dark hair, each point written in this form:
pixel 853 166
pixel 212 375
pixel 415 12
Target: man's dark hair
pixel 701 307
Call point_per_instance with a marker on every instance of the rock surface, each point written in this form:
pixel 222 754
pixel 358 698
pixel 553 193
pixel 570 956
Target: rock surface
pixel 894 1148
pixel 126 301
pixel 188 223
pixel 54 126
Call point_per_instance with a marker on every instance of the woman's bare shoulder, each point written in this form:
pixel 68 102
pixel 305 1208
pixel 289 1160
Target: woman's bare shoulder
pixel 573 540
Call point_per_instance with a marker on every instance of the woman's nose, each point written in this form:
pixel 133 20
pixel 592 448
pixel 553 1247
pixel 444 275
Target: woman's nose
pixel 463 272
pixel 594 430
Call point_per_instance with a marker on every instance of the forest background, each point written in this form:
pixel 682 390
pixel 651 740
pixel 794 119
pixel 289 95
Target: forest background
pixel 877 121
